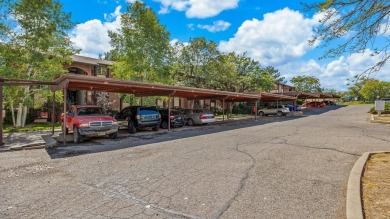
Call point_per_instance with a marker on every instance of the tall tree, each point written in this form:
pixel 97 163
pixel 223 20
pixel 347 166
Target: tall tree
pixel 140 46
pixel 306 83
pixel 275 74
pixel 35 46
pixel 375 88
pixel 195 63
pixel 354 26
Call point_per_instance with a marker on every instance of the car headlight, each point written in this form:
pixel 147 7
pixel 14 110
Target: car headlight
pixel 84 125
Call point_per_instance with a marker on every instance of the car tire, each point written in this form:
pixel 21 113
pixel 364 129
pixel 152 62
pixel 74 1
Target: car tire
pixel 279 114
pixel 164 124
pixel 156 128
pixel 77 138
pixel 132 129
pixel 113 135
pixel 261 113
pixel 190 122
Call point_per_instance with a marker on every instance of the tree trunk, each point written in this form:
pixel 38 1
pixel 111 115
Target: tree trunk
pixel 19 116
pixel 13 115
pixel 24 116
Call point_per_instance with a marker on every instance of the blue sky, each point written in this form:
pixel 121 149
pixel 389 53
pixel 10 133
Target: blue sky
pixel 272 32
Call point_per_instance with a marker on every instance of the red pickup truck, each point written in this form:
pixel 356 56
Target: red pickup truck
pixel 89 121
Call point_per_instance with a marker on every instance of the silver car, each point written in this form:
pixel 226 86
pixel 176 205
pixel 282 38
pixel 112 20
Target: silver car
pixel 198 117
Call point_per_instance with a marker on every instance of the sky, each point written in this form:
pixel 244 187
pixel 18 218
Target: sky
pixel 275 33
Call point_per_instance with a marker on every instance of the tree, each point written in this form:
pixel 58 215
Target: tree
pixel 195 65
pixel 375 88
pixel 141 46
pixel 275 73
pixel 306 83
pixel 35 46
pixel 354 26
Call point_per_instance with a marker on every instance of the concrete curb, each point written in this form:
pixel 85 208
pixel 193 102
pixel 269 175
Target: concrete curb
pixel 378 121
pixel 354 207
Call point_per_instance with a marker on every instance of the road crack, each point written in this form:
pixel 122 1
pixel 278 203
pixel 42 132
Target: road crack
pixel 242 185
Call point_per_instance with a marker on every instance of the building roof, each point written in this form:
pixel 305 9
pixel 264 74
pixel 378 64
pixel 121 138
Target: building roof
pixel 91 61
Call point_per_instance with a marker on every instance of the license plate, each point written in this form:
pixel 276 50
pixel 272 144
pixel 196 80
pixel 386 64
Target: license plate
pixel 101 133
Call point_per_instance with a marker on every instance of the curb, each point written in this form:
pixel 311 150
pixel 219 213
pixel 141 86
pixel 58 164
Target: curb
pixel 378 121
pixel 354 207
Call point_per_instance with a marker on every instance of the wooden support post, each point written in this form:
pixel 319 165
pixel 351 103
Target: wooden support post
pixel 64 122
pixel 256 109
pixel 53 115
pixel 169 113
pixel 223 109
pixel 1 113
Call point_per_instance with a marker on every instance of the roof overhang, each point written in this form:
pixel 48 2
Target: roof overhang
pixel 140 89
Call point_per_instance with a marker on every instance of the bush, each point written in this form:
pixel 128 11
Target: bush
pixel 386 111
pixel 242 109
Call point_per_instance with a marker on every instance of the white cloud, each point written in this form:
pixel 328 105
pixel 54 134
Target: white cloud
pixel 335 73
pixel 217 26
pixel 92 36
pixel 197 8
pixel 282 36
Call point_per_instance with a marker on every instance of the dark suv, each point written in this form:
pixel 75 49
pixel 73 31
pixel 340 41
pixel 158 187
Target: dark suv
pixel 137 117
pixel 176 117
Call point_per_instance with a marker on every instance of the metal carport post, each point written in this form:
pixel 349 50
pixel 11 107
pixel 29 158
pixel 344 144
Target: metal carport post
pixel 1 113
pixel 64 122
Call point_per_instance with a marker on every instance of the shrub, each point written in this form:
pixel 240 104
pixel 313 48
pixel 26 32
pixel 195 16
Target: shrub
pixel 386 111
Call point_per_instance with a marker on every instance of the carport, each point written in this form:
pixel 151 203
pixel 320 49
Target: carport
pixel 139 89
pixel 142 89
pixel 274 97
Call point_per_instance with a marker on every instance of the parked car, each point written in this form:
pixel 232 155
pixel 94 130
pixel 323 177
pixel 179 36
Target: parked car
pixel 138 117
pixel 315 104
pixel 280 110
pixel 329 103
pixel 198 117
pixel 89 120
pixel 294 107
pixel 176 118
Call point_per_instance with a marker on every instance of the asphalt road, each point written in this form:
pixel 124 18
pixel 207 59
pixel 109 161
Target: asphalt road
pixel 290 167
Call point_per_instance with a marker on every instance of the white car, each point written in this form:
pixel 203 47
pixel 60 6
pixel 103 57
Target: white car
pixel 280 110
pixel 198 117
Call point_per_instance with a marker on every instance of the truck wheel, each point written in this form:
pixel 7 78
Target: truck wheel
pixel 164 125
pixel 279 114
pixel 113 135
pixel 131 128
pixel 156 128
pixel 261 113
pixel 77 138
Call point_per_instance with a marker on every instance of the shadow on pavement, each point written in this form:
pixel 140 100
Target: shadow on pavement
pixel 148 137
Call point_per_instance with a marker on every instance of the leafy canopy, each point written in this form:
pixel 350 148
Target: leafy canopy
pixel 355 26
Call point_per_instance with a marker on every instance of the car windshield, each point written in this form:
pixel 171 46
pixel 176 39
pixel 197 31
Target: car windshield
pixel 148 108
pixel 88 111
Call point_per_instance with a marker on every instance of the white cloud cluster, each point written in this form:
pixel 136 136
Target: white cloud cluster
pixel 197 8
pixel 335 73
pixel 282 36
pixel 92 36
pixel 217 26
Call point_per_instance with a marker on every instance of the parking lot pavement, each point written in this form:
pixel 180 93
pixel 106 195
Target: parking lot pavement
pixel 282 168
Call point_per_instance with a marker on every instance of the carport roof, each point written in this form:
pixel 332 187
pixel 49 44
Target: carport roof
pixel 299 94
pixel 270 96
pixel 140 89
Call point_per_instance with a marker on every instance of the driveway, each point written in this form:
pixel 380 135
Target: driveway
pixel 289 167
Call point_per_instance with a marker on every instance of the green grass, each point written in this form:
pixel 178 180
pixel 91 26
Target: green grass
pixel 30 127
pixel 219 116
